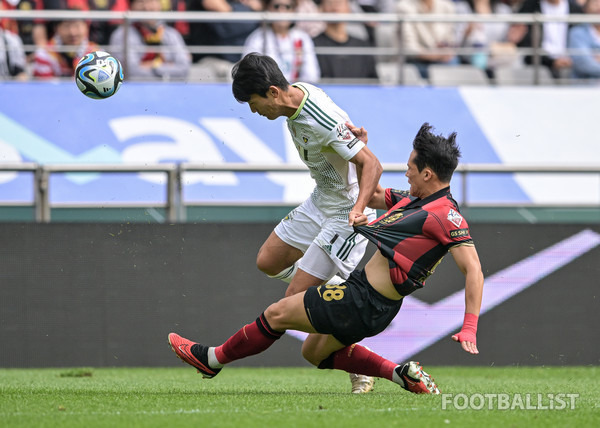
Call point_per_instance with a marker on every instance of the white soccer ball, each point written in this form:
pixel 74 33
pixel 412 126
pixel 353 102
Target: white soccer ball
pixel 99 75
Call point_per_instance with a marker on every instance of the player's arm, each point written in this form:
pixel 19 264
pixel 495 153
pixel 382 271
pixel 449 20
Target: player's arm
pixel 377 201
pixel 368 171
pixel 467 260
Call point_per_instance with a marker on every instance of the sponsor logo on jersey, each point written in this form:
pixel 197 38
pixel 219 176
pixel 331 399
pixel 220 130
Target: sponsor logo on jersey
pixel 459 232
pixel 392 218
pixel 455 218
pixel 352 143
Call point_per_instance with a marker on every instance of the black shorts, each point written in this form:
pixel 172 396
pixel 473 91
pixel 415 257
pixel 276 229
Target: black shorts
pixel 350 311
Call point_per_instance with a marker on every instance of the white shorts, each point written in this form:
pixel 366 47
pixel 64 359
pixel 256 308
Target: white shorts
pixel 306 226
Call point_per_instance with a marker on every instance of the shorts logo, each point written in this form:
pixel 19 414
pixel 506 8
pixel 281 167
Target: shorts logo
pixel 455 218
pixel 459 232
pixel 326 246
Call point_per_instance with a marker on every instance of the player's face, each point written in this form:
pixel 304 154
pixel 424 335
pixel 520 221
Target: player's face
pixel 415 179
pixel 264 106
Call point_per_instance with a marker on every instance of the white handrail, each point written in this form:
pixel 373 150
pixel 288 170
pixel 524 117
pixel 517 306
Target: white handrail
pixel 174 203
pixel 524 18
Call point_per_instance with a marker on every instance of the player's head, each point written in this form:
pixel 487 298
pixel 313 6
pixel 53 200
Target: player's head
pixel 436 152
pixel 254 75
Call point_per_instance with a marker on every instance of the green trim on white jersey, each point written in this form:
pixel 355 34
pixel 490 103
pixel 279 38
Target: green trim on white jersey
pixel 325 145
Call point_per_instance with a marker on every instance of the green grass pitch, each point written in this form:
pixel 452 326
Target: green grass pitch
pixel 293 397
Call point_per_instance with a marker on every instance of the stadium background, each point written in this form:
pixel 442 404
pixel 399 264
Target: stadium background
pixel 96 291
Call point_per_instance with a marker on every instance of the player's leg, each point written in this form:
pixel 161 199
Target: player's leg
pixel 346 314
pixel 337 248
pixel 277 258
pixel 359 359
pixel 292 236
pixel 251 339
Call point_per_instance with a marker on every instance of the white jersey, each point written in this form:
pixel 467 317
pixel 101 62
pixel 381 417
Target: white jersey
pixel 326 145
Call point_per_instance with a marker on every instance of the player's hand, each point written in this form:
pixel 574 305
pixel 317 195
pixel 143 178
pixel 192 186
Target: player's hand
pixel 358 219
pixel 467 340
pixel 360 133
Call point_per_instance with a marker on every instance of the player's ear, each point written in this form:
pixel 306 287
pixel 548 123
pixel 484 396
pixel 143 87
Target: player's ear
pixel 274 91
pixel 427 174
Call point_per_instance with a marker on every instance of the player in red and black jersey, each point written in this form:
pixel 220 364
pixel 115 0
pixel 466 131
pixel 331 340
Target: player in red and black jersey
pixel 419 228
pixel 415 234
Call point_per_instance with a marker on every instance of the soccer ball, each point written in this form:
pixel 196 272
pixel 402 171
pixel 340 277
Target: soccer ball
pixel 99 75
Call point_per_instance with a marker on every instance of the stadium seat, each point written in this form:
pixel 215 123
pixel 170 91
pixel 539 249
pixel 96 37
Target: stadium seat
pixel 510 76
pixel 389 74
pixel 457 75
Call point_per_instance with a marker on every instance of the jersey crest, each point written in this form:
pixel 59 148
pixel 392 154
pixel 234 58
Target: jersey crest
pixel 455 218
pixel 345 135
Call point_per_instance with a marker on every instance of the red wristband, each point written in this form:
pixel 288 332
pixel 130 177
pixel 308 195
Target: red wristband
pixel 468 332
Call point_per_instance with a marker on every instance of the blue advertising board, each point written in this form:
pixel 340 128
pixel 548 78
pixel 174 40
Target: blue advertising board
pixel 149 123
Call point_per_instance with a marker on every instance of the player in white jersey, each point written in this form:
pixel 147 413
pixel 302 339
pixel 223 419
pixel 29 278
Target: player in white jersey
pixel 315 242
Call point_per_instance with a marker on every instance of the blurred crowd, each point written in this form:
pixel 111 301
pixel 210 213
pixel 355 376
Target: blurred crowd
pixel 170 50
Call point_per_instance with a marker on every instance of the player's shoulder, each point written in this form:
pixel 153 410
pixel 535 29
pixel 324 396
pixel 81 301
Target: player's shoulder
pixel 319 108
pixel 447 210
pixel 313 92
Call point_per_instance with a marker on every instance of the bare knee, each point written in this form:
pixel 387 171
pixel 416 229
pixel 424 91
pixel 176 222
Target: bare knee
pixel 275 255
pixel 265 264
pixel 275 315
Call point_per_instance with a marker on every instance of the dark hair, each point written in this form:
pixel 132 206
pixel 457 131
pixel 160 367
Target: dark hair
pixel 436 152
pixel 254 74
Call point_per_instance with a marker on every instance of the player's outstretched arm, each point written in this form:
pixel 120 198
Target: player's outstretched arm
pixel 377 201
pixel 467 260
pixel 368 171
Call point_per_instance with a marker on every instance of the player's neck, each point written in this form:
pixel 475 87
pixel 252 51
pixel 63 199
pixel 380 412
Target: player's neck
pixel 292 100
pixel 431 189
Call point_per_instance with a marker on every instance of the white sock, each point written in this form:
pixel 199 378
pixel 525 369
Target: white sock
pixel 212 359
pixel 287 274
pixel 395 378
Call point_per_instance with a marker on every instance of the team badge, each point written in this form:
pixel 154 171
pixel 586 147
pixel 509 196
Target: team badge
pixel 344 133
pixel 455 218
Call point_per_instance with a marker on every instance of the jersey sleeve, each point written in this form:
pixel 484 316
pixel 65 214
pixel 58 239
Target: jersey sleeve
pixel 393 196
pixel 343 142
pixel 448 227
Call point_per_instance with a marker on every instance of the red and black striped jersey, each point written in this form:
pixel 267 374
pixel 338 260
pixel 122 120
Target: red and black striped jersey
pixel 415 234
